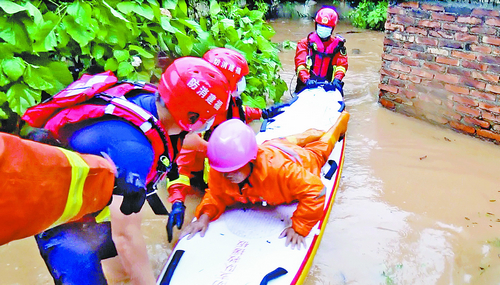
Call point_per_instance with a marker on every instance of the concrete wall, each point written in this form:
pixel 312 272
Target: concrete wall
pixel 441 63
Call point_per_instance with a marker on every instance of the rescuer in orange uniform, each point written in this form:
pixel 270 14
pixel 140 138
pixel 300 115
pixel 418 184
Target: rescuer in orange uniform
pixel 278 171
pixel 191 159
pixel 321 56
pixel 43 186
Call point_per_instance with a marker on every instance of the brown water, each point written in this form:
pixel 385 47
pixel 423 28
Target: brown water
pixel 417 204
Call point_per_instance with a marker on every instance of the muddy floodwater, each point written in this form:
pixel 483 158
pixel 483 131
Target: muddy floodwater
pixel 417 204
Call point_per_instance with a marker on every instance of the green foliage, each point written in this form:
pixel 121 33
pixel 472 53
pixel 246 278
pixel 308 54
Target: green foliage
pixel 369 15
pixel 48 44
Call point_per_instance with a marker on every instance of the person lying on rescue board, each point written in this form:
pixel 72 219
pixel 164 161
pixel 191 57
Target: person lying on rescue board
pixel 244 172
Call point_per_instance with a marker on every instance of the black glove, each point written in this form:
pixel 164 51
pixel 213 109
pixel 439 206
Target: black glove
pixel 339 85
pixel 311 83
pixel 273 111
pixel 176 217
pixel 133 192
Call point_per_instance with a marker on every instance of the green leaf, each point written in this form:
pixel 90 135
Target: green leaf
pixel 165 24
pixel 141 51
pixel 13 67
pixel 111 64
pixel 3 79
pixel 98 51
pixel 145 10
pixel 81 34
pixel 14 33
pixel 254 102
pixel 121 55
pixel 170 4
pixel 21 97
pixel 267 31
pixel 3 115
pixel 81 11
pixel 124 69
pixel 126 7
pixel 193 25
pixel 38 77
pixel 227 23
pixel 114 12
pixel 256 15
pixel 182 7
pixel 3 99
pixel 34 12
pixel 185 43
pixel 214 8
pixel 11 8
pixel 61 74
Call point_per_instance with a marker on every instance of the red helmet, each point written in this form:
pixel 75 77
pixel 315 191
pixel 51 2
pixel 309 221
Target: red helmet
pixel 230 62
pixel 327 17
pixel 194 91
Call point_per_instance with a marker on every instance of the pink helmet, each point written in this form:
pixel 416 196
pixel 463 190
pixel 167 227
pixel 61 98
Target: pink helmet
pixel 231 146
pixel 194 91
pixel 327 17
pixel 230 62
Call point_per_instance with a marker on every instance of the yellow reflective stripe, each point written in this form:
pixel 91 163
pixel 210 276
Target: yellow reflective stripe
pixel 183 179
pixel 300 67
pixel 79 172
pixel 340 68
pixel 206 170
pixel 104 215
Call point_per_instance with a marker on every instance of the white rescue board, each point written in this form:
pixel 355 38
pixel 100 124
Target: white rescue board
pixel 242 246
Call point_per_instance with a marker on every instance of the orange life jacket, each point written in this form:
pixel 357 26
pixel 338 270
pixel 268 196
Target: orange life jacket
pixel 42 186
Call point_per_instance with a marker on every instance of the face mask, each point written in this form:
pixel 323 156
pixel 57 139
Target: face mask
pixel 240 87
pixel 324 31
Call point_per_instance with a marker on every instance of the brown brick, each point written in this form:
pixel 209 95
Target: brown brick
pixel 426 41
pixel 462 127
pixel 480 48
pixel 474 65
pixel 395 82
pixel 440 34
pixel 466 37
pixel 493 88
pixel 423 56
pixel 476 122
pixel 488 59
pixel 401 51
pixel 415 30
pixel 451 114
pixel 482 95
pixel 448 78
pixel 458 71
pixel 393 27
pixel 390 42
pixel 422 73
pixel 493 78
pixel 488 134
pixel 435 67
pixel 409 61
pixel 456 89
pixel 395 10
pixel 494 68
pixel 452 44
pixel 443 17
pixel 429 7
pixel 389 72
pixel 409 5
pixel 493 22
pixel 455 27
pixel 465 101
pixel 387 104
pixel 491 117
pixel 448 61
pixel 404 20
pixel 473 83
pixel 467 110
pixel 428 24
pixel 491 40
pixel 388 88
pixel 390 57
pixel 464 55
pixel 485 12
pixel 483 30
pixel 469 20
pixel 400 67
pixel 490 107
pixel 415 79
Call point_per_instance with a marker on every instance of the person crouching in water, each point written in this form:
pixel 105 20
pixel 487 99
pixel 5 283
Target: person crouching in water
pixel 278 171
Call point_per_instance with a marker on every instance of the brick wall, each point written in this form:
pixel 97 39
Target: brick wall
pixel 441 63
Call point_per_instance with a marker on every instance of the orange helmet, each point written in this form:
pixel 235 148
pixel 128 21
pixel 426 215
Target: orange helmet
pixel 232 64
pixel 194 91
pixel 327 17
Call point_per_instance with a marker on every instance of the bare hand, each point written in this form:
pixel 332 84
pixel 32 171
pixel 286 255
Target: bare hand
pixel 293 238
pixel 200 225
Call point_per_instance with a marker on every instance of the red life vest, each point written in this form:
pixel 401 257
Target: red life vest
pixel 321 67
pixel 94 96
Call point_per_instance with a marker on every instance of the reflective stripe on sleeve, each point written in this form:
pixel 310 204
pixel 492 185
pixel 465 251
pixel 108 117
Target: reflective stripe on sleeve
pixel 79 172
pixel 340 68
pixel 183 179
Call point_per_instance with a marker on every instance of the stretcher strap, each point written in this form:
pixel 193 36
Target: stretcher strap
pixel 79 172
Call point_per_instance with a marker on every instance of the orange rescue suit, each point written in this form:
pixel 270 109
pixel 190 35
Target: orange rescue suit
pixel 42 186
pixel 285 170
